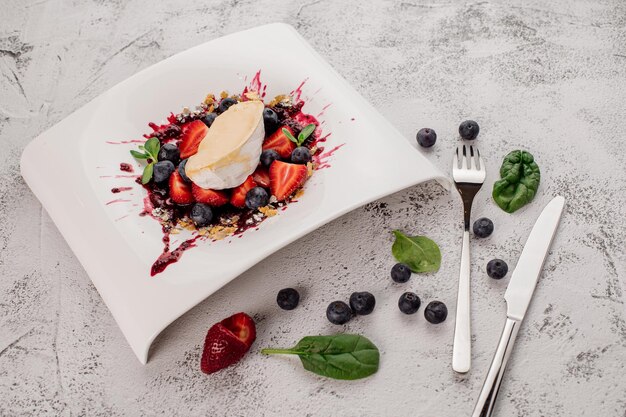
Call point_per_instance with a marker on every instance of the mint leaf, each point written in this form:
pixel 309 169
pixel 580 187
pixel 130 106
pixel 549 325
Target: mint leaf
pixel 147 173
pixel 290 136
pixel 152 146
pixel 305 133
pixel 420 253
pixel 138 155
pixel 342 356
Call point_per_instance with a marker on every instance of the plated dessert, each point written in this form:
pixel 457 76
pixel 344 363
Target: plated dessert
pixel 227 166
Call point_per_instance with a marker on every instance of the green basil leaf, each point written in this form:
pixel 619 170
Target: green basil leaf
pixel 420 253
pixel 147 173
pixel 519 181
pixel 305 133
pixel 290 136
pixel 138 155
pixel 152 148
pixel 342 356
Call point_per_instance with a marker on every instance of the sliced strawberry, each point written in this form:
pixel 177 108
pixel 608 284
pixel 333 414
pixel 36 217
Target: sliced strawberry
pixel 180 191
pixel 213 198
pixel 286 178
pixel 280 143
pixel 193 133
pixel 227 342
pixel 262 177
pixel 238 198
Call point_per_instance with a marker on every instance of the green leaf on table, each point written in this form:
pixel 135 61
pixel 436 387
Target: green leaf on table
pixel 147 173
pixel 341 356
pixel 519 181
pixel 420 253
pixel 138 155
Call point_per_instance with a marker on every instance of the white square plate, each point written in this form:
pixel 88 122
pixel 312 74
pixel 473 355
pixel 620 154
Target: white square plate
pixel 117 247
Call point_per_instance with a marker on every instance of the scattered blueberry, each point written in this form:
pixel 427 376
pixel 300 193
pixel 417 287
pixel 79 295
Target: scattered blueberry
pixel 256 197
pixel 169 152
pixel 497 268
pixel 483 227
pixel 362 303
pixel 469 130
pixel 436 312
pixel 201 214
pixel 209 118
pixel 225 104
pixel 162 171
pixel 338 312
pixel 301 155
pixel 268 156
pixel 270 120
pixel 288 298
pixel 400 273
pixel 426 137
pixel 409 303
pixel 181 170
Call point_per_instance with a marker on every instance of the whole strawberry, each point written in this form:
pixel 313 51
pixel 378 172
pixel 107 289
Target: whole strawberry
pixel 227 342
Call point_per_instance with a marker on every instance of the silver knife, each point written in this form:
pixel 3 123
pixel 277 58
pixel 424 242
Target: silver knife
pixel 517 296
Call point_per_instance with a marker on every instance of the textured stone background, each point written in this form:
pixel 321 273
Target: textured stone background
pixel 546 76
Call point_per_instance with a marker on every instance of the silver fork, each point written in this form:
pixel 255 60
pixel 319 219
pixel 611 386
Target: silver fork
pixel 468 178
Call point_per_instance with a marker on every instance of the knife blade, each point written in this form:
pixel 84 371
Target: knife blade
pixel 518 295
pixel 526 274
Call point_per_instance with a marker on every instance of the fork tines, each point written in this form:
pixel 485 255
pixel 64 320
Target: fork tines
pixel 471 164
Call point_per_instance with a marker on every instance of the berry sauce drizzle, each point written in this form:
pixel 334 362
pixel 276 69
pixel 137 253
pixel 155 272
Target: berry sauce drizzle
pixel 228 221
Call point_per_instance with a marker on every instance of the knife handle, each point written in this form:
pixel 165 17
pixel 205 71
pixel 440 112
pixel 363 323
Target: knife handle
pixel 491 386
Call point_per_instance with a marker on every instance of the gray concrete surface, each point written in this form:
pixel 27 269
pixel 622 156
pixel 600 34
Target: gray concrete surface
pixel 549 77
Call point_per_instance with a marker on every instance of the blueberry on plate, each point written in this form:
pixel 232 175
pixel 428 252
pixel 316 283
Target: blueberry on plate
pixel 301 155
pixel 268 156
pixel 362 303
pixel 400 273
pixel 256 197
pixel 483 227
pixel 436 312
pixel 468 130
pixel 209 118
pixel 270 120
pixel 169 152
pixel 288 298
pixel 201 214
pixel 426 137
pixel 162 171
pixel 409 303
pixel 181 170
pixel 225 104
pixel 497 268
pixel 338 312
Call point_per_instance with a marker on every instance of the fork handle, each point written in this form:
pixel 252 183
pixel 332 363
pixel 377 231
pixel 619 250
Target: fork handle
pixel 462 347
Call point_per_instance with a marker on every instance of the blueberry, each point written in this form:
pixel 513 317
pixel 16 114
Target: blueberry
pixel 469 130
pixel 362 303
pixel 169 152
pixel 225 104
pixel 162 171
pixel 270 120
pixel 497 268
pixel 182 172
pixel 201 214
pixel 268 156
pixel 288 298
pixel 400 273
pixel 426 137
pixel 436 312
pixel 483 227
pixel 409 303
pixel 301 155
pixel 209 118
pixel 338 312
pixel 256 197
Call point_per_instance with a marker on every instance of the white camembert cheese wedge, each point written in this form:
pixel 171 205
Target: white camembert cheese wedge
pixel 231 149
